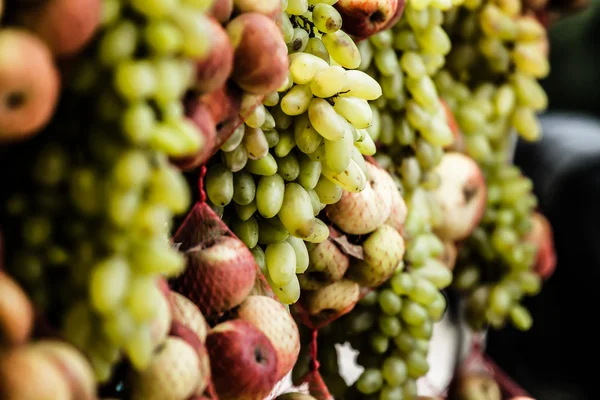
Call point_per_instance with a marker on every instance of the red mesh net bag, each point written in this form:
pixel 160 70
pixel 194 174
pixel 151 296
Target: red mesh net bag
pixel 364 248
pixel 223 302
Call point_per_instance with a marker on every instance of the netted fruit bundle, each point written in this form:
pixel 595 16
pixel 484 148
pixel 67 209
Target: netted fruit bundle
pixel 33 368
pixel 252 341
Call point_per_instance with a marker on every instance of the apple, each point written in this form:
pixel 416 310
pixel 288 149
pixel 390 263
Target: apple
pixel 295 396
pixel 327 264
pixel 261 59
pixel 398 209
pixel 461 195
pixel 383 251
pixel 363 212
pixel 224 104
pixel 203 120
pixel 270 8
pixel 218 277
pixel 190 337
pixel 458 144
pixel 476 386
pixel 449 255
pixel 29 84
pixel 16 312
pixel 244 362
pixel 161 324
pixel 274 320
pixel 397 15
pixel 73 365
pixel 214 70
pixel 187 314
pixel 173 373
pixel 364 18
pixel 222 10
pixel 65 25
pixel 541 236
pixel 26 373
pixel 332 301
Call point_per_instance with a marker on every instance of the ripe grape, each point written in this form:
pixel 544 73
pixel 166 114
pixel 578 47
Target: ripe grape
pixel 298 149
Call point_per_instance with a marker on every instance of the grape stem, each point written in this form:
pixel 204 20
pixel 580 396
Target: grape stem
pixel 201 184
pixel 299 21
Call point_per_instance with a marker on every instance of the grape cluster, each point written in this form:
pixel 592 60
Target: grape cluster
pixel 298 149
pixel 391 327
pixel 90 233
pixel 491 86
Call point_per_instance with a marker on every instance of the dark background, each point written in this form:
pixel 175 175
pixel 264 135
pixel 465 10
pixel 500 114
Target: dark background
pixel 557 359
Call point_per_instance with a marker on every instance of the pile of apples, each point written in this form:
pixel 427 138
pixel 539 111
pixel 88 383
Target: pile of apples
pixel 44 369
pixel 41 34
pixel 248 56
pixel 364 248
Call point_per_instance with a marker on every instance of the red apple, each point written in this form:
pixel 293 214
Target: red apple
pixel 29 84
pixel 327 265
pixel 182 332
pixel 541 236
pixel 16 312
pixel 26 373
pixel 65 25
pixel 397 15
pixel 458 144
pixel 224 103
pixel 173 373
pixel 243 361
pixel 476 386
pixel 274 320
pixel 203 120
pixel 270 8
pixel 333 300
pixel 261 59
pixel 364 18
pixel 462 196
pixel 448 257
pixel 161 324
pixel 72 364
pixel 363 212
pixel 222 10
pixel 187 314
pixel 217 277
pixel 212 72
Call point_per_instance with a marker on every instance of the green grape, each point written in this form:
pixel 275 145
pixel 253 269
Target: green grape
pixel 342 49
pixel 296 211
pixel 326 18
pixel 389 302
pixel 394 371
pixel 370 381
pixel 301 252
pixel 280 259
pixel 269 195
pixel 389 326
pixel 219 185
pixel 108 284
pixel 247 231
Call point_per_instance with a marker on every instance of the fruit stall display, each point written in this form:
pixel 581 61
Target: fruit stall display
pixel 201 198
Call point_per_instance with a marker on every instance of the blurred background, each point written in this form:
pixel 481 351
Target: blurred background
pixel 552 361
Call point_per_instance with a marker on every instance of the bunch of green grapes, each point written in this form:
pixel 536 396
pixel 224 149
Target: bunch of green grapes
pixel 89 227
pixel 299 149
pixel 491 86
pixel 391 327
